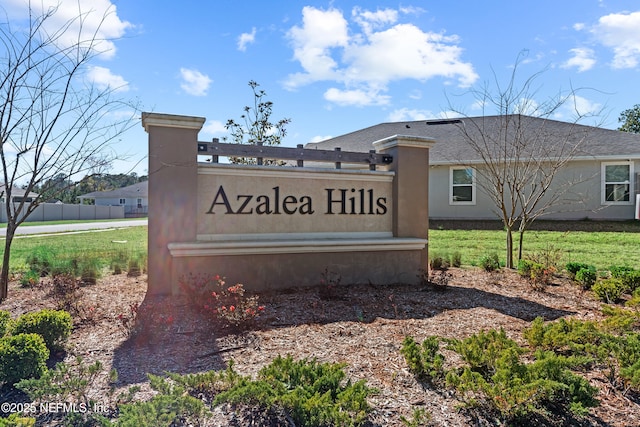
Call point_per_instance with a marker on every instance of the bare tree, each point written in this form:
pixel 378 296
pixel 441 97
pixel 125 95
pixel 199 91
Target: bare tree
pixel 256 127
pixel 53 121
pixel 520 150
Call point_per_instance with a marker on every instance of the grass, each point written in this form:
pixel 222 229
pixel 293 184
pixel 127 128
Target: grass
pixel 600 248
pixel 70 221
pixel 100 245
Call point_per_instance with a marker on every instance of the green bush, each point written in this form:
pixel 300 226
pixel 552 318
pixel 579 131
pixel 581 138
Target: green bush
pixel 609 290
pixel 496 379
pixel 574 267
pixel 619 271
pixel 22 356
pixel 586 277
pixel 54 326
pixel 456 259
pixel 17 420
pixel 312 393
pixel 425 361
pixel 5 322
pixel 524 268
pixel 490 262
pixel 630 280
pixel 41 260
pixel 170 407
pixel 439 262
pixel 305 392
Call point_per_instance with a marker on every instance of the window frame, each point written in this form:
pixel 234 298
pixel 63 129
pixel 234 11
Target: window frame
pixel 471 202
pixel 629 182
pixel 122 201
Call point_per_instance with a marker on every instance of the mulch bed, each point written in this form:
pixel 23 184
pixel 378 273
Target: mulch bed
pixel 361 326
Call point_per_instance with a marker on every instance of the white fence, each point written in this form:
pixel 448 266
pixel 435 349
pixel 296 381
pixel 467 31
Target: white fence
pixel 59 211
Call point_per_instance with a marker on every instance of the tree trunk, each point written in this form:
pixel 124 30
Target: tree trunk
pixel 4 275
pixel 509 260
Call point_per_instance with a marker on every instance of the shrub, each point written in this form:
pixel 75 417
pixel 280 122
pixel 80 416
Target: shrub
pixel 524 267
pixel 439 262
pixel 40 260
pixel 54 326
pixel 490 262
pixel 456 259
pixel 17 420
pixel 609 290
pixel 29 278
pixel 311 393
pixel 574 267
pixel 586 277
pixel 226 303
pixel 630 280
pixel 5 322
pixel 22 356
pixel 170 407
pixel 619 271
pixel 424 361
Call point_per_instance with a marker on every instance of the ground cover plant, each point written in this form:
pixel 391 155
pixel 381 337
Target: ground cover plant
pixel 486 340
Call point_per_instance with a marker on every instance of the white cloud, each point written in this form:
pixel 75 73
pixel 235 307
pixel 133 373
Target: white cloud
pixel 99 23
pixel 105 79
pixel 406 114
pixel 319 138
pixel 194 82
pixel 579 106
pixel 582 59
pixel 214 127
pixel 620 32
pixel 356 97
pixel 245 39
pixel 384 51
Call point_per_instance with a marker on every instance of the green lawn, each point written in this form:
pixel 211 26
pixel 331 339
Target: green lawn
pixel 599 248
pixel 103 245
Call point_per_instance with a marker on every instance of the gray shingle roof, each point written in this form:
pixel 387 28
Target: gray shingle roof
pixel 452 146
pixel 140 189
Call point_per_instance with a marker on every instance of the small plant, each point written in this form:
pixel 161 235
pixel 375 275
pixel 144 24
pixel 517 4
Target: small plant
pixel 586 277
pixel 609 290
pixel 311 393
pixel 67 382
pixel 574 267
pixel 630 280
pixel 65 291
pixel 420 417
pixel 425 360
pixel 439 262
pixel 134 267
pixel 54 326
pixel 22 356
pixel 5 322
pixel 40 260
pixel 541 276
pixel 456 259
pixel 29 278
pixel 172 406
pixel 490 262
pixel 17 420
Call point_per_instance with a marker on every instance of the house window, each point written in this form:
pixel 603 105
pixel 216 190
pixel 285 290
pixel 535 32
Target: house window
pixel 139 202
pixel 462 190
pixel 122 201
pixel 616 183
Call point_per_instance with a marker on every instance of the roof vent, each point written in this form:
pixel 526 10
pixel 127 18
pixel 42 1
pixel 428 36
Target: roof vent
pixel 443 122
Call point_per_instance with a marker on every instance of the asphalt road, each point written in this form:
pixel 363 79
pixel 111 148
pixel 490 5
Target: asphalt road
pixel 29 229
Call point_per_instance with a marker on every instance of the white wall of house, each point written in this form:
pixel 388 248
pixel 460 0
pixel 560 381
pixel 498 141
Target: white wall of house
pixel 585 199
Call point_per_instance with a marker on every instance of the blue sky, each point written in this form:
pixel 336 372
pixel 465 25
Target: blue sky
pixel 333 67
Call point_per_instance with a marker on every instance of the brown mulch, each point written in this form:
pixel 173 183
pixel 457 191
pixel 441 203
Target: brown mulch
pixel 361 326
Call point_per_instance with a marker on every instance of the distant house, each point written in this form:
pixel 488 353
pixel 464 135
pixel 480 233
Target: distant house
pixel 134 198
pixel 606 163
pixel 17 195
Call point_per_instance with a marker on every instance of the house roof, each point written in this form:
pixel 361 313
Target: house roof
pixel 141 189
pixel 452 146
pixel 16 192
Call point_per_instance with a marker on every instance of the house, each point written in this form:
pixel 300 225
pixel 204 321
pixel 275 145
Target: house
pixel 601 167
pixel 134 198
pixel 17 195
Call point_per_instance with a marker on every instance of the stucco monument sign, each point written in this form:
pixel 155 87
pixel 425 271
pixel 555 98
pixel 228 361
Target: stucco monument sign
pixel 274 227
